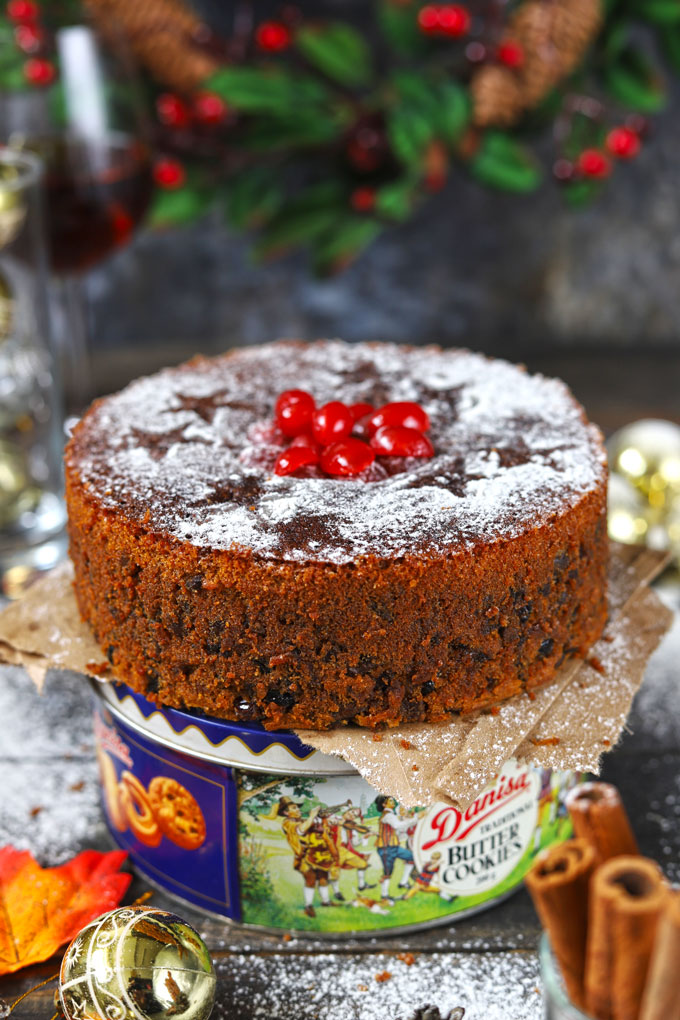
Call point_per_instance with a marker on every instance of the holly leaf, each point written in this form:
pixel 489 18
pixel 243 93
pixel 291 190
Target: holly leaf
pixel 443 106
pixel 305 129
pixel 580 193
pixel 635 82
pixel 173 207
pixel 395 200
pixel 43 908
pixel 409 133
pixel 503 163
pixel 670 40
pixel 303 219
pixel 454 111
pixel 253 197
pixel 272 90
pixel 337 50
pixel 334 251
pixel 658 12
pixel 399 23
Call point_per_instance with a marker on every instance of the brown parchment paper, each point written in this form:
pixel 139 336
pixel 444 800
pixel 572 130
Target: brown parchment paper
pixel 568 725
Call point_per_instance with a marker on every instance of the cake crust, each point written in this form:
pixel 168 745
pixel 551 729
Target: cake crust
pixel 423 589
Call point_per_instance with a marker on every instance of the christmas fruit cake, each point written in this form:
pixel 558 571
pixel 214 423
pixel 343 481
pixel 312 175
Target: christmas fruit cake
pixel 316 534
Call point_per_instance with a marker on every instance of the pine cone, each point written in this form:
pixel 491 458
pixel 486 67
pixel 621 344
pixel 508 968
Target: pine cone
pixel 496 96
pixel 161 34
pixel 554 37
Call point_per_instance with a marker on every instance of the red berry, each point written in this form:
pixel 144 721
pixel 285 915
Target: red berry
pixel 172 110
pixel 348 457
pixel 22 10
pixel 169 174
pixel 293 412
pixel 305 439
pixel 38 71
pixel 593 163
pixel 563 169
pixel 29 38
pixel 363 199
pixel 428 18
pixel 397 441
pixel 360 410
pixel 623 142
pixel 332 422
pixel 454 20
pixel 510 53
pixel 294 458
pixel 210 108
pixel 273 36
pixel 404 413
pixel 475 52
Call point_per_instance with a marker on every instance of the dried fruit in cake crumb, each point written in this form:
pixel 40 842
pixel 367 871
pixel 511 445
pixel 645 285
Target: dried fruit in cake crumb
pixel 384 975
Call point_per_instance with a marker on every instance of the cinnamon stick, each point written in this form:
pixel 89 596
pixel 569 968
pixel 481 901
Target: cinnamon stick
pixel 661 999
pixel 558 883
pixel 627 896
pixel 598 816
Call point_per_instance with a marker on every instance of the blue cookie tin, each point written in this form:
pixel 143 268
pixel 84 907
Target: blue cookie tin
pixel 258 828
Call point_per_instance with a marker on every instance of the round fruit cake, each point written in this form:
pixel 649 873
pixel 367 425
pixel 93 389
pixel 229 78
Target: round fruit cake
pixel 312 534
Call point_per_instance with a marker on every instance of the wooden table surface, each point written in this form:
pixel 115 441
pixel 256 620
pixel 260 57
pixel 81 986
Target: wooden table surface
pixel 50 804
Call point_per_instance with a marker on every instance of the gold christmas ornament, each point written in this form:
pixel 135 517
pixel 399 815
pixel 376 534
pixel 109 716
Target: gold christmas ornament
pixel 137 963
pixel 12 205
pixel 647 454
pixel 626 512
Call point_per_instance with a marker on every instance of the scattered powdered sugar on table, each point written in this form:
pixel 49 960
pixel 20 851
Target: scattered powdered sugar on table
pixel 49 810
pixel 190 449
pixel 505 986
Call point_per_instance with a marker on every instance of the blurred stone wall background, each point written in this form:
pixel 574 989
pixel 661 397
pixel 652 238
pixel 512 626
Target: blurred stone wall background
pixel 501 273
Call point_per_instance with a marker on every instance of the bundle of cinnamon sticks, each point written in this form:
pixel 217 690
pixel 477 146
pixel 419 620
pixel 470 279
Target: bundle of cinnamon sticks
pixel 611 916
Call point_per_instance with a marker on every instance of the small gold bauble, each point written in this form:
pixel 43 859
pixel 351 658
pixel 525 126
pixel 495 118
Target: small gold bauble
pixel 647 454
pixel 12 205
pixel 137 963
pixel 627 512
pixel 17 492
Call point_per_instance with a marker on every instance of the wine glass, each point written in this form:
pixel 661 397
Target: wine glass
pixel 89 128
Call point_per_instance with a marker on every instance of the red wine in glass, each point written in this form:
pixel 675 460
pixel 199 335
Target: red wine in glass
pixel 97 193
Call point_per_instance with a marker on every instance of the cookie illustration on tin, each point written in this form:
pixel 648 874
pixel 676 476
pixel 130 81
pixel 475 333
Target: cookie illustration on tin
pixel 138 811
pixel 112 798
pixel 177 812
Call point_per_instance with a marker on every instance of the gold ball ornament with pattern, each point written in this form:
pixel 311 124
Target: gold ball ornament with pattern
pixel 137 963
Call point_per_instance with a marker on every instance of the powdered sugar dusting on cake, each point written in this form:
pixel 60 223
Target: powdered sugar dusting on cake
pixel 191 451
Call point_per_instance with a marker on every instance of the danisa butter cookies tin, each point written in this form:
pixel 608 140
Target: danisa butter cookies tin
pixel 258 828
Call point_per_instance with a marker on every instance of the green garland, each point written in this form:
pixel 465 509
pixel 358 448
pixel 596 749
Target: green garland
pixel 315 138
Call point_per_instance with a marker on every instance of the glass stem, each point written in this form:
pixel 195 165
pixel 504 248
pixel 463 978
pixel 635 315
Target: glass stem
pixel 76 347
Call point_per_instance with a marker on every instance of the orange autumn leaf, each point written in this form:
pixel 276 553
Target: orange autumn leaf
pixel 43 908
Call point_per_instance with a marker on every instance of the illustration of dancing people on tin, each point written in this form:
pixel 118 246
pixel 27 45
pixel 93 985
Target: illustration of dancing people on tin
pixel 329 840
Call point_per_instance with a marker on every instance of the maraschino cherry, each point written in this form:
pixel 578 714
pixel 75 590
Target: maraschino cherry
pixel 348 457
pixel 332 422
pixel 293 411
pixel 344 440
pixel 400 441
pixel 405 413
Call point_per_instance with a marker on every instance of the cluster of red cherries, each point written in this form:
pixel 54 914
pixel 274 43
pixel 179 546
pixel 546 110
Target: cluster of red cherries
pixel 344 439
pixel 31 39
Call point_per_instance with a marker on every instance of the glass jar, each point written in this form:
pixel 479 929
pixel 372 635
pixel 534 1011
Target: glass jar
pixel 32 513
pixel 557 1004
